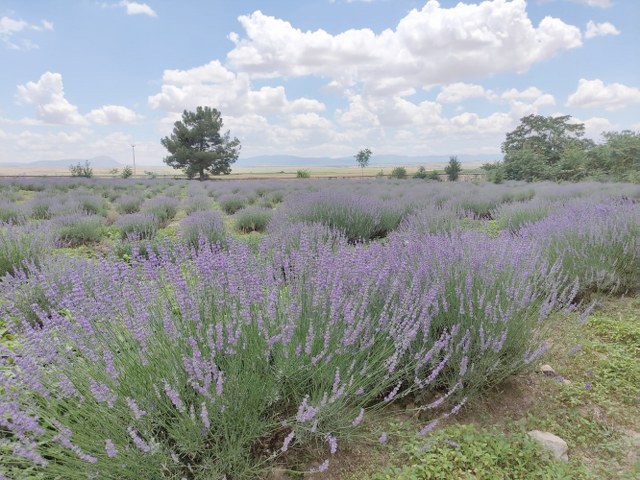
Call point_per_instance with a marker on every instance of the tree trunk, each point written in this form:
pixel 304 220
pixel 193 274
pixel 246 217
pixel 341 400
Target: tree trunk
pixel 201 174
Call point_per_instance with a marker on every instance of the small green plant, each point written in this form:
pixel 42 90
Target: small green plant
pixel 467 452
pixel 126 172
pixel 80 170
pixel 399 173
pixel 303 174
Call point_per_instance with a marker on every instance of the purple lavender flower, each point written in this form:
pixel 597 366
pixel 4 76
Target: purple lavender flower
pixel 287 441
pixel 110 448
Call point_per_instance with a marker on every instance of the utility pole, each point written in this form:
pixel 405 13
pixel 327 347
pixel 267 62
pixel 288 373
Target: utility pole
pixel 133 149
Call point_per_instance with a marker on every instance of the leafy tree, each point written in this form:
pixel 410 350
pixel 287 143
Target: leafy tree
pixel 453 169
pixel 198 147
pixel 362 157
pixel 527 165
pixel 495 171
pixel 622 150
pixel 552 143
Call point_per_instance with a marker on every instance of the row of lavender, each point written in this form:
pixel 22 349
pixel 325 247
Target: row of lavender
pixel 73 212
pixel 211 360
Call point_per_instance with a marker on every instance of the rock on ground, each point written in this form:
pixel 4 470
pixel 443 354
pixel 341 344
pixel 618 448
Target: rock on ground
pixel 551 442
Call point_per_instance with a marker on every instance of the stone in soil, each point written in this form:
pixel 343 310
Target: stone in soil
pixel 551 442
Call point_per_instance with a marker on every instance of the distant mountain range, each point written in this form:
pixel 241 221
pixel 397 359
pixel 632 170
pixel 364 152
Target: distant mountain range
pixel 295 161
pixel 104 161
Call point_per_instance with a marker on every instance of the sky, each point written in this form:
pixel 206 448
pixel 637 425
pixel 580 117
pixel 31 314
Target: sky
pixel 82 78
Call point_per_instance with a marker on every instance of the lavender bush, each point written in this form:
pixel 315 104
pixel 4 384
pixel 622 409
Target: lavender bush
pixel 20 244
pixel 230 204
pixel 252 219
pixel 162 208
pixel 197 203
pixel 193 361
pixel 209 363
pixel 128 204
pixel 137 225
pixel 599 243
pixel 359 217
pixel 206 226
pixel 78 229
pixel 11 212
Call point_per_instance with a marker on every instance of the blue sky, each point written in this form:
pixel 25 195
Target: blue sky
pixel 82 78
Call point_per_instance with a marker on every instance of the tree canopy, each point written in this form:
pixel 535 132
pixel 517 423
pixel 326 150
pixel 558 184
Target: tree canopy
pixel 198 147
pixel 362 157
pixel 552 148
pixel 453 169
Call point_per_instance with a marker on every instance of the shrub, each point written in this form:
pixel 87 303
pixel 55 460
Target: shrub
pixel 399 173
pixel 127 172
pixel 421 173
pixel 252 219
pixel 137 225
pixel 303 174
pixel 186 364
pixel 433 175
pixel 203 226
pixel 80 170
pixel 77 229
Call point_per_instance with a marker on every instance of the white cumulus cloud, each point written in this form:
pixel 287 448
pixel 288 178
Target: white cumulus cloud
pixel 600 29
pixel 47 94
pixel 52 107
pixel 231 93
pixel 457 92
pixel 109 114
pixel 135 8
pixel 595 94
pixel 432 45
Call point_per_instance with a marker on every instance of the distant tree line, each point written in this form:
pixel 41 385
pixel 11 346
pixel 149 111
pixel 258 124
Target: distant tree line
pixel 553 148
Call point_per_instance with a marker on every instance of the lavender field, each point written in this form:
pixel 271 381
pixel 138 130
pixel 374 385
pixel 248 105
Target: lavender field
pixel 206 330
